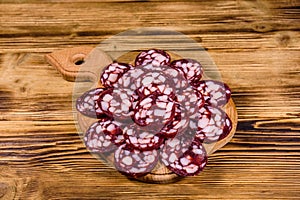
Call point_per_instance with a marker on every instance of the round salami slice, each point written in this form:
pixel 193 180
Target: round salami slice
pixel 113 129
pixel 214 124
pixel 176 126
pixel 191 69
pixel 159 89
pixel 133 162
pixel 97 141
pixel 154 109
pixel 142 138
pixel 115 103
pixel 190 100
pixel 215 93
pixel 177 76
pixel 128 80
pixel 86 103
pixel 184 156
pixel 174 148
pixel 113 72
pixel 155 57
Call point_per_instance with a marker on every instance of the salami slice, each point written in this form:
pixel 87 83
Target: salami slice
pixel 97 141
pixel 142 138
pixel 113 129
pixel 128 80
pixel 177 125
pixel 215 93
pixel 154 109
pixel 177 76
pixel 134 163
pixel 155 57
pixel 213 123
pixel 184 156
pixel 191 69
pixel 86 103
pixel 113 72
pixel 158 89
pixel 115 103
pixel 190 100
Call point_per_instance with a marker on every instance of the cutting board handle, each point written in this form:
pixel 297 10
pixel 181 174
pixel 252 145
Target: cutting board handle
pixel 78 63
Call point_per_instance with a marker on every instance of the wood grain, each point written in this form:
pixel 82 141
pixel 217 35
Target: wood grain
pixel 255 44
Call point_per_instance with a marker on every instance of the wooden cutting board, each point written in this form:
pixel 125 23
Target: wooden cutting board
pixel 66 61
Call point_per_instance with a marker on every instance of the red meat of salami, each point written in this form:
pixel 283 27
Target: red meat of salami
pixel 154 109
pixel 142 138
pixel 113 72
pixel 133 162
pixel 191 69
pixel 213 123
pixel 86 103
pixel 97 141
pixel 184 156
pixel 190 100
pixel 155 57
pixel 215 93
pixel 177 125
pixel 115 103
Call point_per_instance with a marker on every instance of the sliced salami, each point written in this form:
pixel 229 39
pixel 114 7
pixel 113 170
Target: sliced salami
pixel 191 69
pixel 184 156
pixel 213 123
pixel 177 125
pixel 158 89
pixel 177 76
pixel 115 103
pixel 142 138
pixel 155 57
pixel 113 129
pixel 128 80
pixel 133 162
pixel 215 93
pixel 154 109
pixel 97 141
pixel 190 100
pixel 113 72
pixel 86 103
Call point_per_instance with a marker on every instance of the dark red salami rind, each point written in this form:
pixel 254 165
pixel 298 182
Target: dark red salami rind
pixel 113 72
pixel 134 163
pixel 86 103
pixel 214 124
pixel 191 69
pixel 142 138
pixel 155 57
pixel 184 156
pixel 215 93
pixel 97 141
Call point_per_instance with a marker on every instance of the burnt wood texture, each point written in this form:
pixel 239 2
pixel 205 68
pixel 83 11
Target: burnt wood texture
pixel 255 45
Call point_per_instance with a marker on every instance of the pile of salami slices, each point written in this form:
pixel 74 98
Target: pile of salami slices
pixel 156 110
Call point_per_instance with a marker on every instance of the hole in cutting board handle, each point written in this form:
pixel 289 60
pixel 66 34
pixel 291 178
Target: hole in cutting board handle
pixel 78 59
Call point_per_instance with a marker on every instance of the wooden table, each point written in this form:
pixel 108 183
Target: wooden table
pixel 255 45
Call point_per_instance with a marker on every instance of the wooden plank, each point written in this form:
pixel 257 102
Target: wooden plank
pixel 255 45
